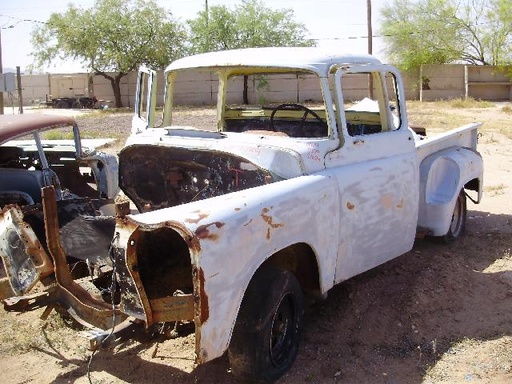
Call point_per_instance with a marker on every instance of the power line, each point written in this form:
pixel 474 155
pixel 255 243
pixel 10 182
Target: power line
pixel 19 21
pixel 354 37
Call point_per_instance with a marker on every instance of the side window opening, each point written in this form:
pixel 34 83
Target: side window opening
pixel 145 98
pixel 370 102
pixel 142 110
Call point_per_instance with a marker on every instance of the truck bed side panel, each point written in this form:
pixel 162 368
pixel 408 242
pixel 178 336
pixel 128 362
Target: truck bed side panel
pixel 465 136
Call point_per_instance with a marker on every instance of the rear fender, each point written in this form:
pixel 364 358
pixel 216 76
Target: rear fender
pixel 442 176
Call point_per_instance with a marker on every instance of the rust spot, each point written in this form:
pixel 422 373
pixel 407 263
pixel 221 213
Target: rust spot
pixel 126 223
pixel 122 208
pixel 269 220
pixel 203 299
pixel 237 209
pixel 200 216
pixel 386 201
pixel 350 206
pixel 204 233
pixel 193 244
pixel 400 204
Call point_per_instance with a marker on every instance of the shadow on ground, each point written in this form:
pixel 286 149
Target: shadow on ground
pixel 389 325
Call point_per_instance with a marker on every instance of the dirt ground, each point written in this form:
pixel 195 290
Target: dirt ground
pixel 438 314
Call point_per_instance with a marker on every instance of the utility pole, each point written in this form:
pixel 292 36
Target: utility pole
pixel 2 70
pixel 369 21
pixel 20 93
pixel 207 23
pixel 1 74
pixel 370 43
pixel 206 10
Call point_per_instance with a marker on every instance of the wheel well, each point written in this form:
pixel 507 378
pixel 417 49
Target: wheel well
pixel 164 263
pixel 300 259
pixel 473 185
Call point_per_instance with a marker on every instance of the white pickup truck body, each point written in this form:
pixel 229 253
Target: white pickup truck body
pixel 322 192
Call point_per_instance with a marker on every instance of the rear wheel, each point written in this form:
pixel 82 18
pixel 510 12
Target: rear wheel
pixel 265 340
pixel 458 223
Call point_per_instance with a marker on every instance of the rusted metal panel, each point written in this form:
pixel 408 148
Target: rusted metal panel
pixel 76 300
pixel 160 177
pixel 134 300
pixel 27 262
pixel 30 302
pixel 24 258
pixel 5 288
pixel 148 293
pixel 174 308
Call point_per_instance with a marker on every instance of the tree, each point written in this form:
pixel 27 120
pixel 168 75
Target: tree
pixel 115 36
pixel 250 24
pixel 444 31
pixel 500 21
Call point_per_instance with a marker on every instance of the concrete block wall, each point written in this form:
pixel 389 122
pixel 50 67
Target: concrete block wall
pixel 439 82
pixel 487 83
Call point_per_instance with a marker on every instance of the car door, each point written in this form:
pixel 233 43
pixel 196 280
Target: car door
pixel 376 172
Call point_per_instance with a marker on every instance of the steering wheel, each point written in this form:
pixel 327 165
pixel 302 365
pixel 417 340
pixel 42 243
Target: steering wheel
pixel 293 107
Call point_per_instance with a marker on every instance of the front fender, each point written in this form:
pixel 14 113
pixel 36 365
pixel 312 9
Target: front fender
pixel 234 234
pixel 442 176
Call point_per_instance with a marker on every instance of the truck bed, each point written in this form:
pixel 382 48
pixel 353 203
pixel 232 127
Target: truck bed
pixel 465 136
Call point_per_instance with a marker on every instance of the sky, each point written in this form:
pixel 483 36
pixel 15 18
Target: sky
pixel 339 24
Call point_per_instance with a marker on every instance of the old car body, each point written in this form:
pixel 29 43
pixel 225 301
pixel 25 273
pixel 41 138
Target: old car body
pixel 25 151
pixel 39 151
pixel 299 184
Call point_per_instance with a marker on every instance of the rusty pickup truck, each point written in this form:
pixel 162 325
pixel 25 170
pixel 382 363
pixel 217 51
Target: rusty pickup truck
pixel 303 173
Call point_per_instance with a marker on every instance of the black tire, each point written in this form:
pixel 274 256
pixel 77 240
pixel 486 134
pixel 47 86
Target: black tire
pixel 61 104
pixel 458 223
pixel 266 337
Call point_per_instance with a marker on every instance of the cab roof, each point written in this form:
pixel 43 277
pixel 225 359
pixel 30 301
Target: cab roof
pixel 311 59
